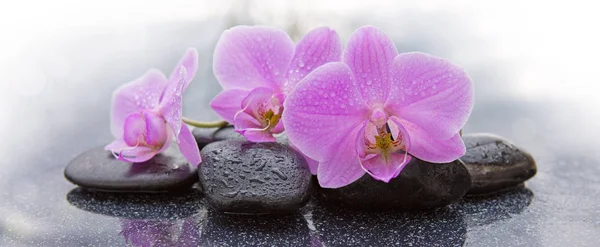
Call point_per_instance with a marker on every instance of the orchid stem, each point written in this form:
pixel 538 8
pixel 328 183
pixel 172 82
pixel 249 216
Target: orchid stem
pixel 197 124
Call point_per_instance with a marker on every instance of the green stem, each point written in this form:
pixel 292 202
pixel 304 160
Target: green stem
pixel 197 124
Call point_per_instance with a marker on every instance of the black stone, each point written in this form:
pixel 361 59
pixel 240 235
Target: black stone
pixel 495 164
pixel 97 169
pixel 205 136
pixel 421 185
pixel 244 177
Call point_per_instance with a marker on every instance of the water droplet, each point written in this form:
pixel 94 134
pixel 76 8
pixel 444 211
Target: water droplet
pixel 369 82
pixel 279 174
pixel 301 64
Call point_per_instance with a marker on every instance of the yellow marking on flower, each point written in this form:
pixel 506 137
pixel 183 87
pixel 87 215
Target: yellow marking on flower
pixel 272 119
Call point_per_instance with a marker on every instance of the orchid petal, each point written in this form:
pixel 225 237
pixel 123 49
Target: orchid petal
pixel 322 110
pixel 134 129
pixel 258 135
pixel 135 154
pixel 379 166
pixel 313 165
pixel 156 129
pixel 227 103
pixel 172 101
pixel 425 147
pixel 318 47
pixel 385 169
pixel 432 93
pixel 142 93
pixel 190 62
pixel 188 146
pixel 247 57
pixel 342 166
pixel 370 54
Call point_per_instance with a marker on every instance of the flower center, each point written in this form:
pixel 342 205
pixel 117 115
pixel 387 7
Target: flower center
pixel 145 128
pixel 383 141
pixel 383 136
pixel 269 114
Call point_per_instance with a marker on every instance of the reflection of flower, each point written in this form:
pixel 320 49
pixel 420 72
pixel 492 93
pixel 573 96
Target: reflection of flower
pixel 369 112
pixel 160 232
pixel 146 114
pixel 257 67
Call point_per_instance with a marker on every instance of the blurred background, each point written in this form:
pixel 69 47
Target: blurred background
pixel 534 65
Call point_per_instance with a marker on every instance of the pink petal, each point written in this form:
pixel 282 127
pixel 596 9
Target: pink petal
pixel 318 47
pixel 322 111
pixel 425 147
pixel 258 135
pixel 134 129
pixel 342 166
pixel 134 154
pixel 172 101
pixel 370 54
pixel 252 56
pixel 432 93
pixel 385 170
pixel 142 93
pixel 313 165
pixel 190 62
pixel 156 129
pixel 376 165
pixel 227 103
pixel 188 146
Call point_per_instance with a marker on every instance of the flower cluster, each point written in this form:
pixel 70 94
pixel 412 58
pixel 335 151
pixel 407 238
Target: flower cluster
pixel 362 109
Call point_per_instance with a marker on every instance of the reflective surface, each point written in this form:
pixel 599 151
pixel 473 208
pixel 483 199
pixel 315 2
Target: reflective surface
pixel 532 64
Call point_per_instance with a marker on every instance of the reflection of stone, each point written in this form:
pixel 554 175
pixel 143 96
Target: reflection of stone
pixel 420 185
pixel 495 164
pixel 254 230
pixel 344 227
pixel 137 206
pixel 485 210
pixel 161 232
pixel 243 177
pixel 98 169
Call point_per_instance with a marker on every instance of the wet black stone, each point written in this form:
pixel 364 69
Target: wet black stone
pixel 495 164
pixel 205 136
pixel 97 169
pixel 421 185
pixel 243 177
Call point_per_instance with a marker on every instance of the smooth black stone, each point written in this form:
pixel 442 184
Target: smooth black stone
pixel 495 164
pixel 205 136
pixel 97 169
pixel 421 185
pixel 255 178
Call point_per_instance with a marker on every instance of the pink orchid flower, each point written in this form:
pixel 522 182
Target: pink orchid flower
pixel 377 109
pixel 257 67
pixel 146 114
